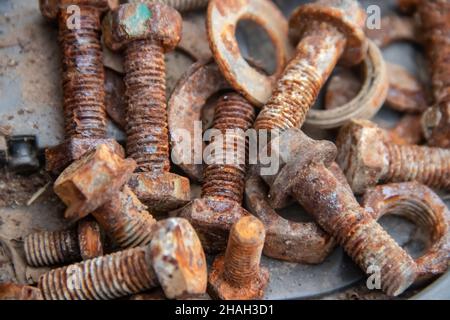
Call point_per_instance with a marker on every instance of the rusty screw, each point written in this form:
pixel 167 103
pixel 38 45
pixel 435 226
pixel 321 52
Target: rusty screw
pixel 146 32
pixel 329 30
pixel 175 260
pixel 237 275
pixel 62 247
pixel 179 5
pixel 366 159
pixel 305 176
pixel 222 190
pixel 82 78
pixel 95 184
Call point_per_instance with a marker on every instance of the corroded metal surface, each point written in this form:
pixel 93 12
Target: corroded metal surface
pixel 366 159
pixel 221 22
pixel 393 28
pixel 180 5
pixel 12 291
pixel 422 206
pixel 407 131
pixel 237 275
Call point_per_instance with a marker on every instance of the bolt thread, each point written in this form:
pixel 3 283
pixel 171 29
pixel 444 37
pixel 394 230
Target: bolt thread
pixel 184 5
pixel 225 176
pixel 147 128
pixel 103 278
pixel 83 75
pixel 126 220
pixel 365 241
pixel 299 86
pixel 429 166
pixel 243 253
pixel 52 248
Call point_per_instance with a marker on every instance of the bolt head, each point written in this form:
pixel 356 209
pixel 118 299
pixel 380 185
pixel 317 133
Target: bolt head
pixel 178 259
pixel 362 154
pixel 72 149
pixel 213 220
pixel 220 288
pixel 91 181
pixel 90 239
pixel 161 192
pixel 50 8
pixel 139 21
pixel 346 15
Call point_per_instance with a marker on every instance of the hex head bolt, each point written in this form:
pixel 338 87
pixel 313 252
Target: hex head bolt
pixel 147 31
pixel 61 247
pixel 95 184
pixel 174 260
pixel 82 78
pixel 237 275
pixel 329 30
pixel 367 159
pixel 223 187
pixel 306 177
pixel 434 19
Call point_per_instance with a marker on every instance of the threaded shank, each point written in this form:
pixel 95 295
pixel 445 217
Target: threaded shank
pixel 103 278
pixel 430 166
pixel 243 254
pixel 126 220
pixel 83 75
pixel 52 248
pixel 225 175
pixel 184 5
pixel 299 86
pixel 145 82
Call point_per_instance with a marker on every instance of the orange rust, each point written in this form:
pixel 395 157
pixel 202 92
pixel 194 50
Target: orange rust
pixel 12 291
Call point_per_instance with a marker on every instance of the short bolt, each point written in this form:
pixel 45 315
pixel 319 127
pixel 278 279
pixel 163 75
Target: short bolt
pixel 82 78
pixel 174 260
pixel 63 247
pixel 328 30
pixel 146 32
pixel 237 275
pixel 223 185
pixel 368 159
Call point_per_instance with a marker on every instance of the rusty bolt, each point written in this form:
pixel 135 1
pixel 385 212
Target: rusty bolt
pixel 82 78
pixel 174 260
pixel 95 184
pixel 63 247
pixel 305 176
pixel 222 190
pixel 423 207
pixel 366 159
pixel 237 275
pixel 434 19
pixel 12 291
pixel 146 32
pixel 329 30
pixel 179 5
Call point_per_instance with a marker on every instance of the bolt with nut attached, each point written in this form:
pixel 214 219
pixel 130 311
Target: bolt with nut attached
pixel 174 260
pixel 146 32
pixel 368 159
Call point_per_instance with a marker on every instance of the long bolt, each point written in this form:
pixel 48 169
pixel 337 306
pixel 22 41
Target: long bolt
pixel 233 116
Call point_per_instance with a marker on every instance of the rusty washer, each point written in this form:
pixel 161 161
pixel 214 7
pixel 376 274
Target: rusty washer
pixel 222 19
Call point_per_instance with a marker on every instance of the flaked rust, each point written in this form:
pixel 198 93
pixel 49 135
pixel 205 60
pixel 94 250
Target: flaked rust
pixel 223 184
pixel 89 239
pixel 368 159
pixel 221 21
pixel 12 291
pixel 175 260
pixel 305 176
pixel 328 31
pixel 202 81
pixel 423 207
pixel 237 275
pixel 286 240
pixel 394 28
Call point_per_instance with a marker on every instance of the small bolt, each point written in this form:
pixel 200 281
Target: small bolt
pixel 175 260
pixel 305 176
pixel 147 32
pixel 62 247
pixel 237 275
pixel 223 187
pixel 329 31
pixel 95 184
pixel 82 79
pixel 367 159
